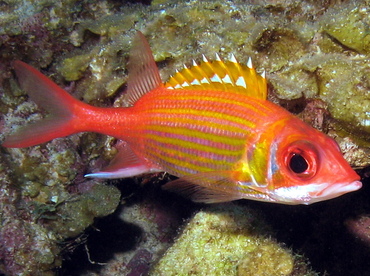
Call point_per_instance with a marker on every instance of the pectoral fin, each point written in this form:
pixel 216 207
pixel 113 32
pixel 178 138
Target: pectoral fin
pixel 208 187
pixel 215 187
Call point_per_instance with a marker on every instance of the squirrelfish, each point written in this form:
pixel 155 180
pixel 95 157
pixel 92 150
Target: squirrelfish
pixel 211 125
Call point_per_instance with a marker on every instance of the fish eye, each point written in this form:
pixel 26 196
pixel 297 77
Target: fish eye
pixel 298 164
pixel 302 160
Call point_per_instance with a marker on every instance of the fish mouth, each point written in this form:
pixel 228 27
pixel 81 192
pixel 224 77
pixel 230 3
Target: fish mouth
pixel 312 193
pixel 335 190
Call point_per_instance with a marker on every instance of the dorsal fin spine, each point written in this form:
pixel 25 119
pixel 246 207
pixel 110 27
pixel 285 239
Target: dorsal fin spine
pixel 208 70
pixel 221 76
pixel 201 72
pixel 249 63
pixel 233 59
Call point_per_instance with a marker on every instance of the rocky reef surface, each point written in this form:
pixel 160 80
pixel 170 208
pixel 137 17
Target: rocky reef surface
pixel 56 222
pixel 227 240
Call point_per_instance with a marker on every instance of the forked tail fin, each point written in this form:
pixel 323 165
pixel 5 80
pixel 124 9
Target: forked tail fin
pixel 60 105
pixel 67 115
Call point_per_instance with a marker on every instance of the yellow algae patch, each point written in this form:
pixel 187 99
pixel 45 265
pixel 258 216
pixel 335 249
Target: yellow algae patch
pixel 225 240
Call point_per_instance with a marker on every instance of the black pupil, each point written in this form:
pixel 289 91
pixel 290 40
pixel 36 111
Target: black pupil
pixel 298 164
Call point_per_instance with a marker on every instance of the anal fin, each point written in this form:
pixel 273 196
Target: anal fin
pixel 125 164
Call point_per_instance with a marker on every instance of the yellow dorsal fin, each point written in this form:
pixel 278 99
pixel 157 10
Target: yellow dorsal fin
pixel 220 75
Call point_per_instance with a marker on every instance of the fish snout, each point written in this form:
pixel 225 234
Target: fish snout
pixel 335 190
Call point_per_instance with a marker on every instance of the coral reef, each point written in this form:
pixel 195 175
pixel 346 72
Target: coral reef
pixel 147 225
pixel 316 57
pixel 25 245
pixel 37 215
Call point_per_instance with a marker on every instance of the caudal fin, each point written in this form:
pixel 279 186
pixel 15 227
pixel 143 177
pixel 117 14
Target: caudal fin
pixel 50 97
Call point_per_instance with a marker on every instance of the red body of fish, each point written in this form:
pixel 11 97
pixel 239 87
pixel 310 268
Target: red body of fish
pixel 210 125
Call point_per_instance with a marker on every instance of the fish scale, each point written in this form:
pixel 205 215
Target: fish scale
pixel 182 125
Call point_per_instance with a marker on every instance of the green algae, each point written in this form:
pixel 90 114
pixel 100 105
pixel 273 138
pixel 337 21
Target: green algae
pixel 75 214
pixel 226 240
pixel 73 69
pixel 280 46
pixel 34 168
pixel 31 249
pixel 101 68
pixel 343 84
pixel 11 97
pixel 267 259
pixel 294 83
pixel 111 26
pixel 350 26
pixel 66 215
pixel 100 75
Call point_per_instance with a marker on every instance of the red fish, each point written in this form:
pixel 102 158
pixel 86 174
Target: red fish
pixel 211 125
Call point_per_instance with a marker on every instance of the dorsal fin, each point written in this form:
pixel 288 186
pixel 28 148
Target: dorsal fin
pixel 220 75
pixel 143 72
